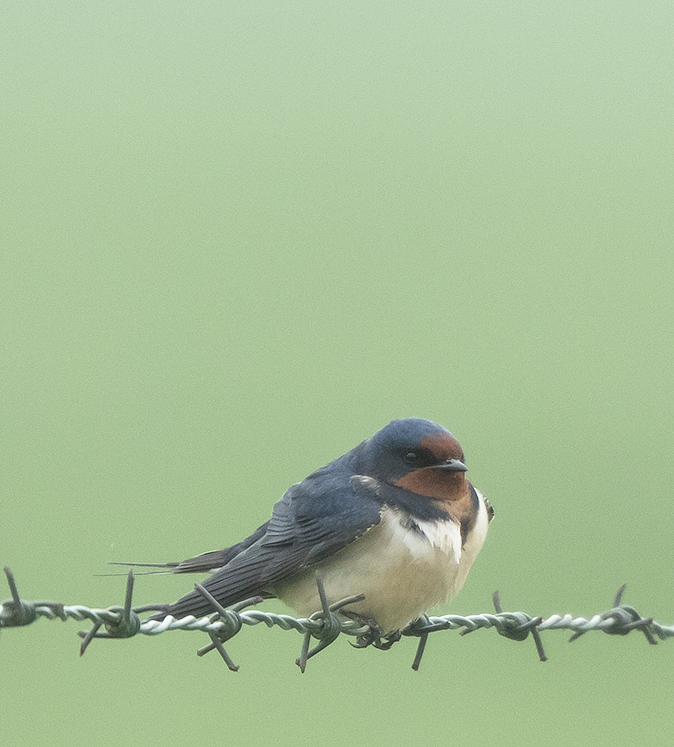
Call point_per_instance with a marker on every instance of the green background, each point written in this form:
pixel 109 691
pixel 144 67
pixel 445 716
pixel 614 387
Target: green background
pixel 237 239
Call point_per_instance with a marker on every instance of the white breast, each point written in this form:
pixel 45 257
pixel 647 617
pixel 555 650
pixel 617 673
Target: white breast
pixel 403 567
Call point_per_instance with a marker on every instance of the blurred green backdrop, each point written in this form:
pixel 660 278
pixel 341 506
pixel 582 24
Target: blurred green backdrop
pixel 239 237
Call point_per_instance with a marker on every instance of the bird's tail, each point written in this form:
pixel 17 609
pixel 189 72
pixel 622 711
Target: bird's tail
pixel 207 562
pixel 166 568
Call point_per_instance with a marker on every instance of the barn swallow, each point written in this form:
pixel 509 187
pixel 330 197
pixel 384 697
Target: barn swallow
pixel 394 519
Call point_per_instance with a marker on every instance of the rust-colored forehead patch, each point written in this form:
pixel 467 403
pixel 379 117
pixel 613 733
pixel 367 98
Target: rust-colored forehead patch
pixel 444 446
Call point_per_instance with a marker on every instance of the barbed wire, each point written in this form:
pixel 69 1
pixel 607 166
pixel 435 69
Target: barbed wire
pixel 325 625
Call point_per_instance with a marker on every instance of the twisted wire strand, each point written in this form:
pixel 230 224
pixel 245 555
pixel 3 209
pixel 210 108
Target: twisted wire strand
pixel 303 625
pixel 325 625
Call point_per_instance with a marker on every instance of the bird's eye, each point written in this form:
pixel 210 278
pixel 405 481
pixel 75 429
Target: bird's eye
pixel 411 457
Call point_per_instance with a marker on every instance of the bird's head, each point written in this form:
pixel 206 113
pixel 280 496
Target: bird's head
pixel 416 455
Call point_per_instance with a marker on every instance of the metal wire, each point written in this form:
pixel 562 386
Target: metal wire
pixel 325 626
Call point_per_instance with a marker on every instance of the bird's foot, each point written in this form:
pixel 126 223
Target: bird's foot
pixel 374 636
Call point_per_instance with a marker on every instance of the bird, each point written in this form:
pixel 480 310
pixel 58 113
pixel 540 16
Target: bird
pixel 394 519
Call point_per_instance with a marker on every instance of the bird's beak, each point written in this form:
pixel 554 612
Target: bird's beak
pixel 452 465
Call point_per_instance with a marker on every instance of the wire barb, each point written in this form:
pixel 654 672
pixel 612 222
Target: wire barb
pixel 325 625
pixel 621 620
pixel 330 623
pixel 517 626
pixel 124 624
pixel 231 625
pixel 17 611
